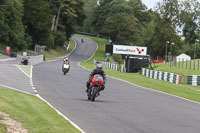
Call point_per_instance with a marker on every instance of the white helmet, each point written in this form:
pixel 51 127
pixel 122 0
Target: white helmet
pixel 99 66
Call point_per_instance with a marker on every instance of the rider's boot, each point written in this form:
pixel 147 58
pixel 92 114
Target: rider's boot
pixel 88 86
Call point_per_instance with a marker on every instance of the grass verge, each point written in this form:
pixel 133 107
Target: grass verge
pixel 178 70
pixel 35 114
pixel 183 90
pixel 2 128
pixel 3 55
pixel 60 51
pixel 25 68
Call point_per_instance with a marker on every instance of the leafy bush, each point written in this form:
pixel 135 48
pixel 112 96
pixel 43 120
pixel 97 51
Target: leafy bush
pixel 60 38
pixel 117 58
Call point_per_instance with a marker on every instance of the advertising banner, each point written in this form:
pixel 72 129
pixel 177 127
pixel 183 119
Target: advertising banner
pixel 7 50
pixel 129 50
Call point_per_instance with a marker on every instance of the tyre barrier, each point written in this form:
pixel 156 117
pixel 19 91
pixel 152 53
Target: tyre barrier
pixel 193 80
pixel 166 76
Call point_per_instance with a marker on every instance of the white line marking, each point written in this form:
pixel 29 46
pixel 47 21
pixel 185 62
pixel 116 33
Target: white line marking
pixel 22 70
pixel 76 126
pixel 5 86
pixel 31 73
pixel 157 91
pixel 37 95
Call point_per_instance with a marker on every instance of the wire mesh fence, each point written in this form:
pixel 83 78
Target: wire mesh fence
pixel 39 49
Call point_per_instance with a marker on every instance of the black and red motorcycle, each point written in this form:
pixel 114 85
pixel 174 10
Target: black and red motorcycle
pixel 95 87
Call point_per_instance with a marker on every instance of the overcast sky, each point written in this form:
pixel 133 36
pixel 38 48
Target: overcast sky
pixel 150 3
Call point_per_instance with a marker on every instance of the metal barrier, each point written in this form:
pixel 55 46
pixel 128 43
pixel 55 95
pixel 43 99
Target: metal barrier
pixel 110 65
pixel 32 60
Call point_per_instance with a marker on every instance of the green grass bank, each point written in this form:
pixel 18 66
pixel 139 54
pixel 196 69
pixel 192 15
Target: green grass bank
pixel 179 70
pixel 2 55
pixel 2 128
pixel 33 113
pixel 59 52
pixel 182 90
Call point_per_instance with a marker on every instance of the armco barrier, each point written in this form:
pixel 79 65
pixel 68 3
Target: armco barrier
pixel 111 65
pixel 193 80
pixel 32 60
pixel 166 76
pixel 36 59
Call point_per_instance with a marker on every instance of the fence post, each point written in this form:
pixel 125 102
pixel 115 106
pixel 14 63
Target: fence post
pixel 182 62
pixel 186 63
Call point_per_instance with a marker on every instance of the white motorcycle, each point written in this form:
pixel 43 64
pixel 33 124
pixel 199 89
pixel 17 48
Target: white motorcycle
pixel 66 68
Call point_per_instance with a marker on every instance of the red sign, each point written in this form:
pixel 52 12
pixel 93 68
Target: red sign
pixel 158 61
pixel 7 50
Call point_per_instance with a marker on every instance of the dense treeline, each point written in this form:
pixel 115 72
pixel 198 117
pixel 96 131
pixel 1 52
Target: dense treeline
pixel 24 23
pixel 129 22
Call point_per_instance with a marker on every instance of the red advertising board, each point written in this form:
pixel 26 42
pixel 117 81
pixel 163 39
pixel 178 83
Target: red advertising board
pixel 158 61
pixel 7 50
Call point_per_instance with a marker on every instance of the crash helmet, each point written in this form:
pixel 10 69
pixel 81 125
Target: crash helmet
pixel 99 67
pixel 66 59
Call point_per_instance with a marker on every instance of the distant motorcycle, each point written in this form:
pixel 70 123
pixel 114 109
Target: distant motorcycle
pixel 95 87
pixel 65 67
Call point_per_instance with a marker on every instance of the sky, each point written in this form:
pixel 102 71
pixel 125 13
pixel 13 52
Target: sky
pixel 150 3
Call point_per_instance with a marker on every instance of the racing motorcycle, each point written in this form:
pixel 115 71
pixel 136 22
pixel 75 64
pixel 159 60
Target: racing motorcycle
pixel 65 67
pixel 95 87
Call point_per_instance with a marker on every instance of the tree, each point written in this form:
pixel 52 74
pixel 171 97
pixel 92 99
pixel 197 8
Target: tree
pixel 37 19
pixel 169 10
pixel 190 20
pixel 89 11
pixel 73 16
pixel 122 29
pixel 67 14
pixel 12 28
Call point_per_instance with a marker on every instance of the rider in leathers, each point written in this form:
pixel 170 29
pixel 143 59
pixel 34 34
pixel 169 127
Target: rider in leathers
pixel 99 71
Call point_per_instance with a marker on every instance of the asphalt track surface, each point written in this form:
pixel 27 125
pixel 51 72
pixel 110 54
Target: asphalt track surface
pixel 121 108
pixel 13 78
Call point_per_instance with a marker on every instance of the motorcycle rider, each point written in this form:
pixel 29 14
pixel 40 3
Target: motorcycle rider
pixel 99 71
pixel 65 60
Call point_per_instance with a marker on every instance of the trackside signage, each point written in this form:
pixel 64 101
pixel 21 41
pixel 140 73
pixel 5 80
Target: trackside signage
pixel 129 50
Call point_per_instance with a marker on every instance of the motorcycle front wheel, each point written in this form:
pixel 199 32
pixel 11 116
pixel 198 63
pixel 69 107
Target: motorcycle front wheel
pixel 95 91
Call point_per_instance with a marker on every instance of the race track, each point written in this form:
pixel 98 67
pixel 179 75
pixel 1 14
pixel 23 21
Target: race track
pixel 121 108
